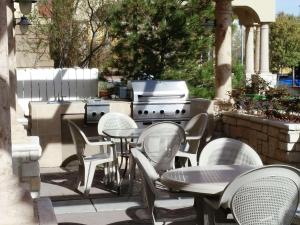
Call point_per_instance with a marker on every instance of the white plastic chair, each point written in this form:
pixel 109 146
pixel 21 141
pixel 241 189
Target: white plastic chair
pixel 265 196
pixel 114 120
pixel 160 211
pixel 160 142
pixel 228 151
pixel 194 130
pixel 88 163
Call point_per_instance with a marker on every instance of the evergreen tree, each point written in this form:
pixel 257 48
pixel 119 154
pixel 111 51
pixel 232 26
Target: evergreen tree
pixel 285 42
pixel 154 37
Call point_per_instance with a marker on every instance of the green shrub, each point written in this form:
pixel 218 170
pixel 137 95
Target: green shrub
pixel 238 78
pixel 274 103
pixel 199 78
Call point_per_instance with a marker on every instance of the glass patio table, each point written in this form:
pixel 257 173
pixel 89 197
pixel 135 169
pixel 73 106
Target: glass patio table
pixel 202 181
pixel 124 134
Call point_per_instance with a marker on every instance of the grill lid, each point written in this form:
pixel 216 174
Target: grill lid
pixel 159 91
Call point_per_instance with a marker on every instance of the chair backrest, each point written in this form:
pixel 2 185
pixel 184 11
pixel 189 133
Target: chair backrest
pixel 149 176
pixel 196 127
pixel 161 142
pixel 228 151
pixel 78 137
pixel 114 120
pixel 265 196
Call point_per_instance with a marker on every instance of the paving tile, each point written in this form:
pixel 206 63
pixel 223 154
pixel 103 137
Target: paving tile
pixel 116 204
pixel 73 206
pixel 104 218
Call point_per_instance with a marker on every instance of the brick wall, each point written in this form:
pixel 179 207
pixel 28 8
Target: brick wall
pixel 275 141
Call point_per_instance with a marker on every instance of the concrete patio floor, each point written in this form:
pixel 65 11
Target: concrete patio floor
pixel 102 207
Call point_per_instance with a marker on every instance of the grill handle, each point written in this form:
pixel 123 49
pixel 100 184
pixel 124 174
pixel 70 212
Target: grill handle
pixel 147 123
pixel 161 96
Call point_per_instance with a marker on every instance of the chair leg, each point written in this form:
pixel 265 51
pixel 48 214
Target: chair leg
pixel 117 175
pixel 202 214
pixel 86 166
pixel 80 178
pixel 131 174
pixel 125 169
pixel 106 174
pixel 90 178
pixel 109 172
pixel 154 220
pixel 193 160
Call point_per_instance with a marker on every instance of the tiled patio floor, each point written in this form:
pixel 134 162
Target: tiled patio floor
pixel 102 207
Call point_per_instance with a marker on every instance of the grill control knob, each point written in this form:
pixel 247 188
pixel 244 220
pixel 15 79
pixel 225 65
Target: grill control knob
pixel 183 111
pixel 146 112
pixel 94 114
pixel 102 113
pixel 140 112
pixel 177 111
pixel 162 111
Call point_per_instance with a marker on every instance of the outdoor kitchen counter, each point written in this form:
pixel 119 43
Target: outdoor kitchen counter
pixel 48 121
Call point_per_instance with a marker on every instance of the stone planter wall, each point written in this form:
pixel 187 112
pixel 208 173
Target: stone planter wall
pixel 275 141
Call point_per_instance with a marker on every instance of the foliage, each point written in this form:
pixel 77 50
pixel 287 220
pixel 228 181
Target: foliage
pixel 284 42
pixel 76 31
pixel 199 78
pixel 236 44
pixel 65 39
pixel 260 98
pixel 158 36
pixel 238 78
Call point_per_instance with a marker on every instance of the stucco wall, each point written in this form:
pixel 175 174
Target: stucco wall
pixel 265 9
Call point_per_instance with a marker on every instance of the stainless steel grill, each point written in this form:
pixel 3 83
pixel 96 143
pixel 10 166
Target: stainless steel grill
pixel 155 101
pixel 94 109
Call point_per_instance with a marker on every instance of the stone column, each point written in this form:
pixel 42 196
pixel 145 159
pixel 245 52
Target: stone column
pixel 249 52
pixel 16 205
pixel 11 57
pixel 257 49
pixel 264 49
pixel 223 13
pixel 5 135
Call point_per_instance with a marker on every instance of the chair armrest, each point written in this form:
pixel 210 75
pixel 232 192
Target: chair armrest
pixel 183 154
pixel 138 148
pixel 100 143
pixel 188 138
pixel 96 138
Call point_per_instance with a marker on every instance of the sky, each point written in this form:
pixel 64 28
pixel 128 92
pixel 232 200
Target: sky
pixel 288 6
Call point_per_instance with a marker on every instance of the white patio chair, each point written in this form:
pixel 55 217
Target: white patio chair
pixel 228 151
pixel 194 130
pixel 160 210
pixel 160 142
pixel 114 120
pixel 265 196
pixel 88 163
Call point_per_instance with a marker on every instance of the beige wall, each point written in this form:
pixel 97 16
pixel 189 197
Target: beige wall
pixel 28 55
pixel 265 9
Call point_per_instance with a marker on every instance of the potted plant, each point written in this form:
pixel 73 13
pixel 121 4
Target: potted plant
pixel 103 91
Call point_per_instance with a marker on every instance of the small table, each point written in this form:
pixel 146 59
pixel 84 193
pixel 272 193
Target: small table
pixel 202 180
pixel 123 134
pixel 208 180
